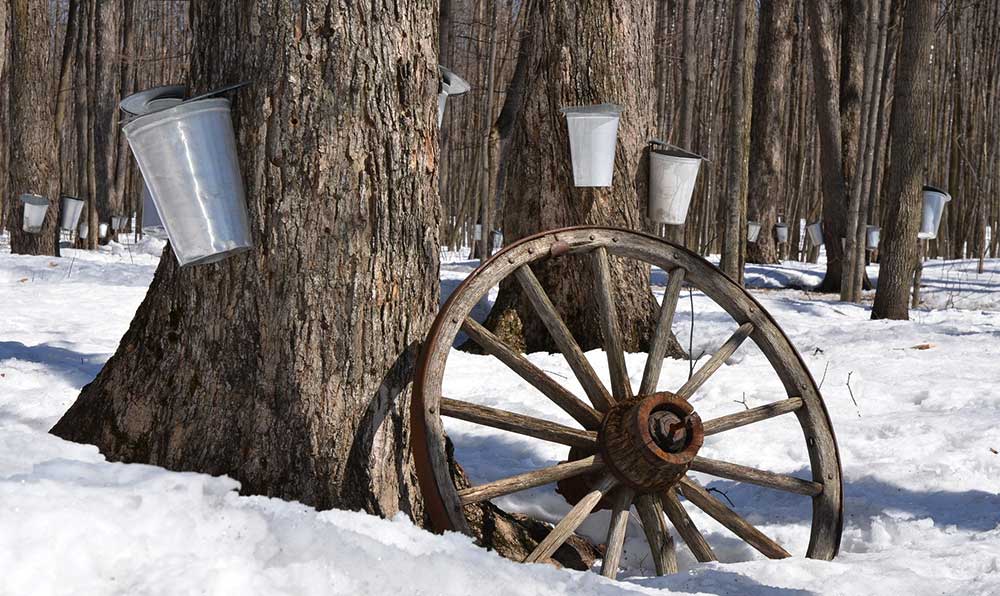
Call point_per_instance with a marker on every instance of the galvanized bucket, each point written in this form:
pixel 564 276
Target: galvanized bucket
pixel 815 233
pixel 187 155
pixel 673 173
pixel 781 231
pixel 497 240
pixel 35 207
pixel 593 135
pixel 118 222
pixel 102 230
pixel 451 84
pixel 872 234
pixel 934 201
pixel 478 235
pixel 753 231
pixel 72 208
pixel 83 231
pixel 152 225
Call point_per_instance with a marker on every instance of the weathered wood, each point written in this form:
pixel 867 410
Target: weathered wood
pixel 580 411
pixel 621 387
pixel 616 532
pixel 661 545
pixel 685 526
pixel 519 423
pixel 513 484
pixel 731 471
pixel 577 361
pixel 765 412
pixel 572 521
pixel 661 338
pixel 731 520
pixel 716 361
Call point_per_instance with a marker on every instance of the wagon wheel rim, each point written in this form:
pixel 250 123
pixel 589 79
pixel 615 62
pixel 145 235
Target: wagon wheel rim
pixel 655 505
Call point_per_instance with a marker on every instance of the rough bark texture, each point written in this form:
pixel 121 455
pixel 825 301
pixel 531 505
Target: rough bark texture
pixel 821 17
pixel 32 142
pixel 287 367
pixel 908 137
pixel 767 130
pixel 585 52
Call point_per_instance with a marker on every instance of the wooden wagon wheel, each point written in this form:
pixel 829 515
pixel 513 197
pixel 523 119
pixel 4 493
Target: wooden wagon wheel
pixel 633 449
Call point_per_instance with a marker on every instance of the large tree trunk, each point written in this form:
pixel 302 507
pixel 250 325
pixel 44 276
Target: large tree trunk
pixel 908 141
pixel 740 110
pixel 767 130
pixel 585 52
pixel 32 142
pixel 287 367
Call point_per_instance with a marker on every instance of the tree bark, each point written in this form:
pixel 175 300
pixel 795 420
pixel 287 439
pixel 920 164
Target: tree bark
pixel 908 140
pixel 32 142
pixel 583 53
pixel 287 367
pixel 740 110
pixel 767 137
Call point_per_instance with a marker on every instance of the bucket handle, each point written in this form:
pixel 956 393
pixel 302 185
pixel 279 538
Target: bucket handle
pixel 659 143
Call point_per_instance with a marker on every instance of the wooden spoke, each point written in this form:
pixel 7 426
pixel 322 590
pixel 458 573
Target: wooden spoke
pixel 724 469
pixel 716 361
pixel 695 493
pixel 572 521
pixel 616 532
pixel 731 421
pixel 513 484
pixel 661 545
pixel 686 528
pixel 621 387
pixel 658 347
pixel 593 387
pixel 587 416
pixel 519 423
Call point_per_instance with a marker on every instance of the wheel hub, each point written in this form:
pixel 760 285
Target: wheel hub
pixel 647 442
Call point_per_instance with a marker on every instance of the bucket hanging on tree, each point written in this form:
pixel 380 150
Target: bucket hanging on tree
pixel 753 231
pixel 451 84
pixel 102 230
pixel 83 231
pixel 118 222
pixel 673 173
pixel 815 233
pixel 72 208
pixel 930 221
pixel 781 232
pixel 35 207
pixel 593 136
pixel 187 155
pixel 872 234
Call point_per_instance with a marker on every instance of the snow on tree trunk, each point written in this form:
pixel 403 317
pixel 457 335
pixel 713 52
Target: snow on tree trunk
pixel 287 367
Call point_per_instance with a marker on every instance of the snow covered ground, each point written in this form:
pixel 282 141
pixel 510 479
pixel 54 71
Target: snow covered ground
pixel 915 405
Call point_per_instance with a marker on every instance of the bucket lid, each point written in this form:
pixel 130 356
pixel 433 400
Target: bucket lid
pixel 665 148
pixel 34 200
pixel 72 198
pixel 451 83
pixel 152 100
pixel 219 91
pixel 604 109
pixel 781 225
pixel 929 188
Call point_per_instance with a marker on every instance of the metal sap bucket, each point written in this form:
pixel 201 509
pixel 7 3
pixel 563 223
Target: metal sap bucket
pixel 187 155
pixel 72 208
pixel 673 173
pixel 152 225
pixel 478 235
pixel 872 234
pixel 781 231
pixel 934 200
pixel 118 222
pixel 593 135
pixel 35 207
pixel 102 230
pixel 451 84
pixel 815 233
pixel 753 231
pixel 497 240
pixel 83 230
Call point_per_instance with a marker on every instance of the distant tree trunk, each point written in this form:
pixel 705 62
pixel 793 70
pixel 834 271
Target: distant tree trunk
pixel 740 109
pixel 287 368
pixel 5 195
pixel 570 65
pixel 767 137
pixel 32 166
pixel 908 141
pixel 828 115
